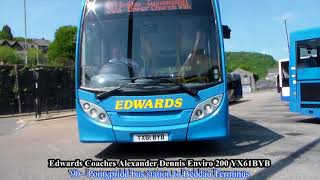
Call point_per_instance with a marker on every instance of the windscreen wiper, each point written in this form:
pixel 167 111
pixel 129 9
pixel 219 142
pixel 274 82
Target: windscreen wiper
pixel 107 94
pixel 191 91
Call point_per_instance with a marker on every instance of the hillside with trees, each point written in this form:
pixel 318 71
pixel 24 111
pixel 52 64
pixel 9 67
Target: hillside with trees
pixel 256 63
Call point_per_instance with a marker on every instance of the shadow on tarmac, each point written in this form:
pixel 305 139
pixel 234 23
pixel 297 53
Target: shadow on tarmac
pixel 238 102
pixel 245 137
pixel 279 165
pixel 310 121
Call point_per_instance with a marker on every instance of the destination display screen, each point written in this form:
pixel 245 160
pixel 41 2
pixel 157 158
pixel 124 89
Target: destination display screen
pixel 124 6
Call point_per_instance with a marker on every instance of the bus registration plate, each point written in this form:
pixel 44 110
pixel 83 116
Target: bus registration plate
pixel 162 137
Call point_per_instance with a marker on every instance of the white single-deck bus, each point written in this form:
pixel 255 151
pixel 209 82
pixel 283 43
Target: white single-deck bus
pixel 283 79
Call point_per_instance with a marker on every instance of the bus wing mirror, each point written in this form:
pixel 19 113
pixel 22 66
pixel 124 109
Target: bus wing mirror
pixel 226 32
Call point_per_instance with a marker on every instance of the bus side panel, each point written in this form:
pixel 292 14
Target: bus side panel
pixel 224 114
pixel 309 73
pixel 293 75
pixel 314 112
pixel 78 45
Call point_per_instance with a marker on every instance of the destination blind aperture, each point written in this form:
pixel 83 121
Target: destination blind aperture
pixel 118 7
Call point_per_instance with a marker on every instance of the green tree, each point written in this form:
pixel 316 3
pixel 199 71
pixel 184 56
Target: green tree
pixel 2 35
pixel 36 57
pixel 62 50
pixel 9 56
pixel 6 33
pixel 256 63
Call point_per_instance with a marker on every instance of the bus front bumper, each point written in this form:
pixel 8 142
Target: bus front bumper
pixel 211 128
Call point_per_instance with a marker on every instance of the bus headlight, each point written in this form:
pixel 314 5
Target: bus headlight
pixel 215 101
pixel 103 117
pixel 206 108
pixel 95 112
pixel 86 106
pixel 199 114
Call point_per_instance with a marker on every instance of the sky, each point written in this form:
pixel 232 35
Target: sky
pixel 257 25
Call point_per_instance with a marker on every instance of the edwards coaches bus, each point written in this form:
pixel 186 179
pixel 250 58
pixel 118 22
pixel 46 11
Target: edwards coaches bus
pixel 305 72
pixel 151 71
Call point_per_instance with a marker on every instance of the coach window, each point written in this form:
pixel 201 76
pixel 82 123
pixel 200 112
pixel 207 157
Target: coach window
pixel 308 54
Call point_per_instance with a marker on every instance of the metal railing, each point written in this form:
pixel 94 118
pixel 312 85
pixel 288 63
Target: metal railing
pixel 36 90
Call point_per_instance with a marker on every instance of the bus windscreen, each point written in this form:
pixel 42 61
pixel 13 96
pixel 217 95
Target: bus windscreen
pixel 181 44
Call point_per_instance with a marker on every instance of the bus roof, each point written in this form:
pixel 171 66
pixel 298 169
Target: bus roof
pixel 305 34
pixel 283 60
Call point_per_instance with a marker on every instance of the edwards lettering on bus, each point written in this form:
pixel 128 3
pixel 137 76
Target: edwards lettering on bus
pixel 148 104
